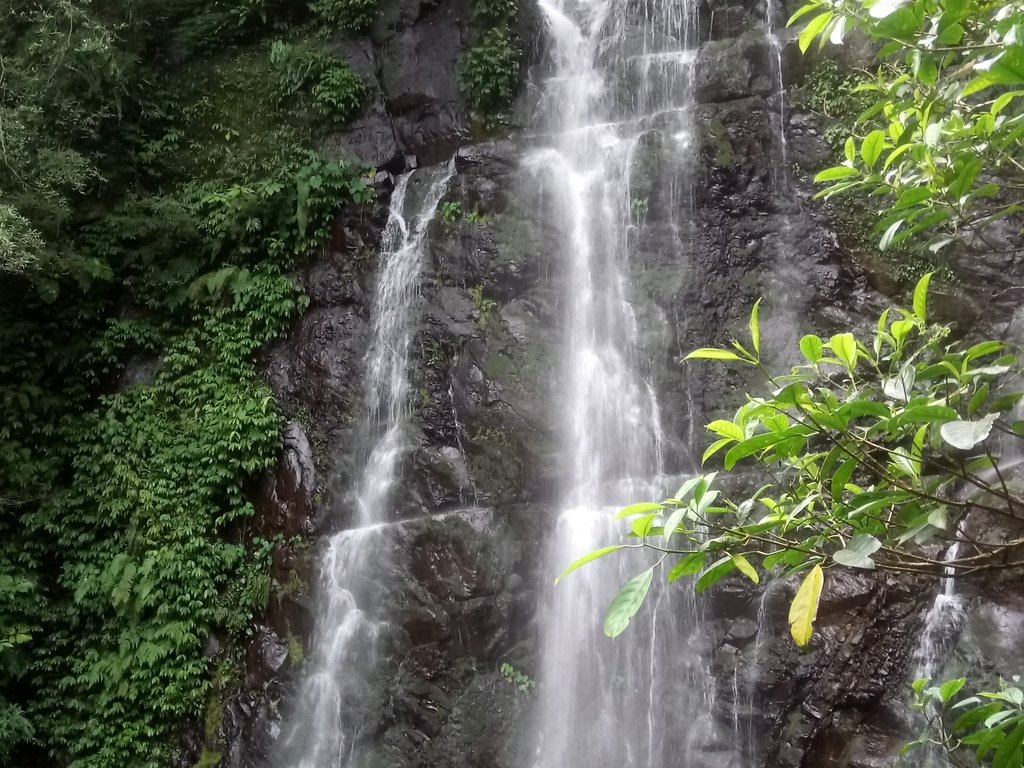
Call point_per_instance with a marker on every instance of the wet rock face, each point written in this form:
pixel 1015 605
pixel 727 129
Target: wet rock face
pixel 840 703
pixel 414 113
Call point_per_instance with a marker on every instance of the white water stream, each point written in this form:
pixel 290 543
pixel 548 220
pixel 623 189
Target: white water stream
pixel 324 729
pixel 620 83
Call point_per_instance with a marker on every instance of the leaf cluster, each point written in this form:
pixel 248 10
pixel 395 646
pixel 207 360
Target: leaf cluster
pixel 336 89
pixel 489 74
pixel 350 15
pixel 989 725
pixel 873 450
pixel 150 211
pixel 941 139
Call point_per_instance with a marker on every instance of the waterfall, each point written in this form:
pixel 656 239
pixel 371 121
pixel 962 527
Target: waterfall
pixel 942 626
pixel 617 101
pixel 326 724
pixel 785 306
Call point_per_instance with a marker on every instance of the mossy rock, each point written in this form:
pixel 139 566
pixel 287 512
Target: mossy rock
pixel 718 136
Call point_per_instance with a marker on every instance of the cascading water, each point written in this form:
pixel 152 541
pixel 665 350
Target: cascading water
pixel 781 322
pixel 325 726
pixel 746 701
pixel 943 623
pixel 620 92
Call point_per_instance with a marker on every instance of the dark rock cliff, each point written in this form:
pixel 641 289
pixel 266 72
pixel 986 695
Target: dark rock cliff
pixel 463 587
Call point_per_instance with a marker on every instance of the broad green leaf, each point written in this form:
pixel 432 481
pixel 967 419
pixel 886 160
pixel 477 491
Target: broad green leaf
pixel 998 715
pixel 643 508
pixel 850 150
pixel 983 349
pixel 951 34
pixel 976 716
pixel 951 688
pixel 872 146
pixel 642 525
pixel 844 345
pixel 842 477
pixel 978 399
pixel 809 8
pixel 977 85
pixel 688 486
pixel 890 233
pixel 1007 68
pixel 711 353
pixel 812 347
pixel 965 178
pixel 804 608
pixel 759 442
pixel 901 24
pixel 921 297
pixel 627 603
pixel 1008 754
pixel 1003 101
pixel 926 70
pixel 911 197
pixel 788 557
pixel 588 558
pixel 967 434
pixel 814 27
pixel 673 521
pixel 882 8
pixel 715 572
pixel 726 428
pixel 689 565
pixel 836 172
pixel 714 448
pixel 857 553
pixel 743 566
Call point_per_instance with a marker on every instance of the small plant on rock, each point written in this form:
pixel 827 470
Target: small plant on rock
pixel 489 74
pixel 451 211
pixel 519 679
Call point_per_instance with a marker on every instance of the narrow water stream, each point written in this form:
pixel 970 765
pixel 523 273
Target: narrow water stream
pixel 324 729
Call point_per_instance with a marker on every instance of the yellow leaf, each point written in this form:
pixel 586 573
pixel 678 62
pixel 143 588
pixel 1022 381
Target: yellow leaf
pixel 804 609
pixel 743 566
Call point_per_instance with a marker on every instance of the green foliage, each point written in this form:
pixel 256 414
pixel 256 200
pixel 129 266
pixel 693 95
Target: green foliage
pixel 489 75
pixel 941 139
pixel 487 308
pixel 495 12
pixel 988 726
pixel 451 211
pixel 519 679
pixel 304 67
pixel 874 447
pixel 831 92
pixel 159 473
pixel 350 15
pixel 296 651
pixel 150 211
